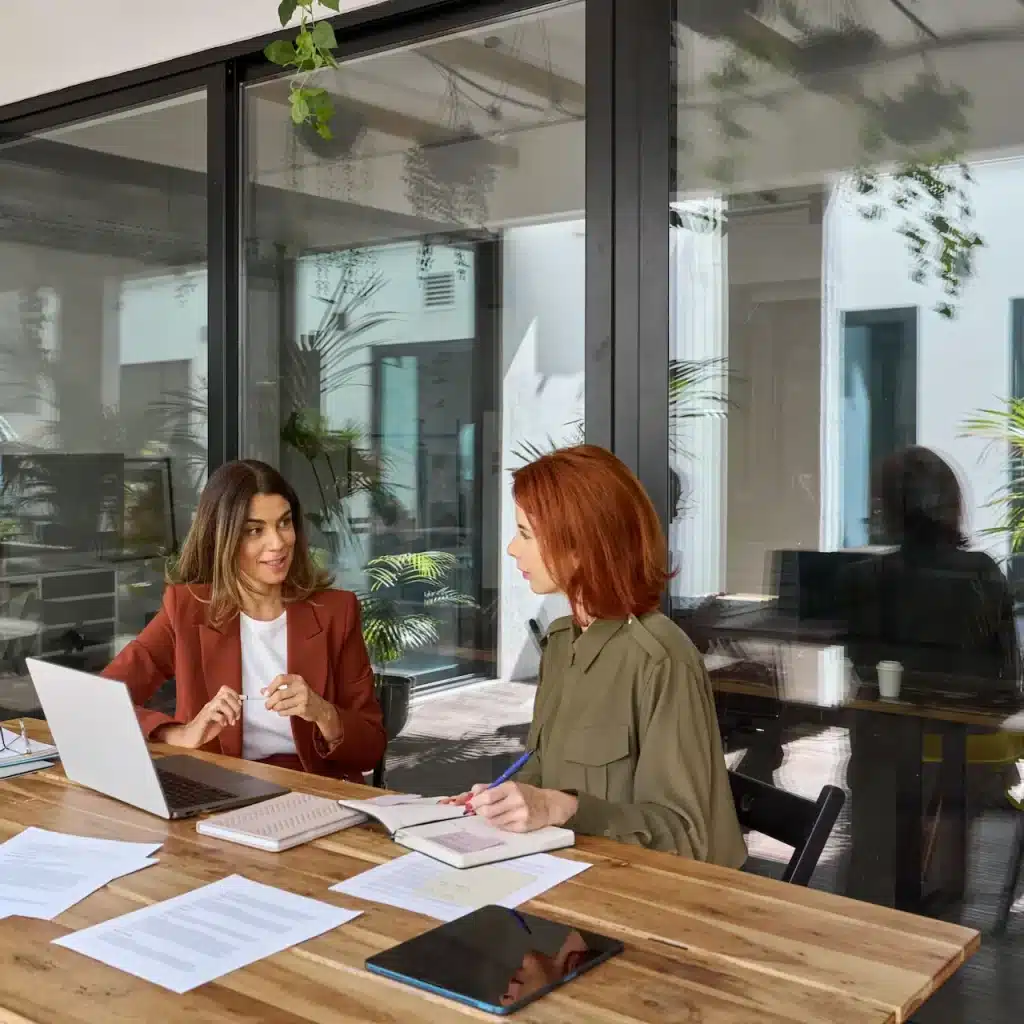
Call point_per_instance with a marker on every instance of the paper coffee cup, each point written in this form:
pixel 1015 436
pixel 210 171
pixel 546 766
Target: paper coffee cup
pixel 890 674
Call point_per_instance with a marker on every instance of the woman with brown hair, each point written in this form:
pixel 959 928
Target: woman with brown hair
pixel 624 738
pixel 269 663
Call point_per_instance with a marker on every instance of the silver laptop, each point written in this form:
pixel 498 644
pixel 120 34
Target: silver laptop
pixel 93 724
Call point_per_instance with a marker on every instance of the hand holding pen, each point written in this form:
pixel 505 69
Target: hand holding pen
pixel 464 798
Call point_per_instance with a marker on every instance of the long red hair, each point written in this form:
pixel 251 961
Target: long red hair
pixel 597 530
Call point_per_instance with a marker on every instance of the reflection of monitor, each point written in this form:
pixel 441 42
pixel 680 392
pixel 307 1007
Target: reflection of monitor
pixel 807 582
pixel 149 523
pixel 68 501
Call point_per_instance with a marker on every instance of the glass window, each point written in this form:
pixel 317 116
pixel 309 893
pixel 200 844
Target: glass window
pixel 102 378
pixel 415 326
pixel 845 363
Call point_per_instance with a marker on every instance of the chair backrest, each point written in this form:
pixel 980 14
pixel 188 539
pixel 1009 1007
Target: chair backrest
pixel 384 695
pixel 803 824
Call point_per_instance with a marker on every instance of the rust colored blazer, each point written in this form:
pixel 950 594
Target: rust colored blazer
pixel 325 647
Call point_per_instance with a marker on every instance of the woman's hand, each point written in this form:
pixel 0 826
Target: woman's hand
pixel 223 710
pixel 515 807
pixel 463 798
pixel 291 696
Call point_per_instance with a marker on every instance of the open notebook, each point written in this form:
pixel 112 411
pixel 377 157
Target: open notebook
pixel 447 833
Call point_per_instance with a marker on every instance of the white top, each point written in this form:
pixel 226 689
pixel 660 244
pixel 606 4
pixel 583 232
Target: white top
pixel 264 656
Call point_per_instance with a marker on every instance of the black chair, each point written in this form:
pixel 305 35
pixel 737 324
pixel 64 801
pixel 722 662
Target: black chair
pixel 803 824
pixel 393 694
pixel 379 772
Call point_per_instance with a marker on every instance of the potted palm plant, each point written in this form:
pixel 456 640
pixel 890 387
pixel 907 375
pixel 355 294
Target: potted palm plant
pixel 342 466
pixel 391 627
pixel 1005 426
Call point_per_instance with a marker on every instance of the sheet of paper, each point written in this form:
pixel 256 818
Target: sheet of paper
pixel 206 933
pixel 43 874
pixel 426 886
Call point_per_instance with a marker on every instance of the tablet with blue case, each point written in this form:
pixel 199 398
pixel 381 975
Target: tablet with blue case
pixel 495 959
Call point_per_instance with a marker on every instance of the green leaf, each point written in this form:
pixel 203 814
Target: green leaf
pixel 304 50
pixel 281 53
pixel 323 36
pixel 286 10
pixel 300 108
pixel 321 105
pixel 331 5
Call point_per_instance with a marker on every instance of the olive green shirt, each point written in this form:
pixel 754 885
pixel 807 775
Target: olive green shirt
pixel 624 719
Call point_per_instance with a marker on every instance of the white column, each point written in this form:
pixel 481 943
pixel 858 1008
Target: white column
pixel 698 325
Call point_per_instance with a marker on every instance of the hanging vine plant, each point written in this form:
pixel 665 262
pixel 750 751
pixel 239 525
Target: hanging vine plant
pixel 450 183
pixel 715 18
pixel 312 51
pixel 932 192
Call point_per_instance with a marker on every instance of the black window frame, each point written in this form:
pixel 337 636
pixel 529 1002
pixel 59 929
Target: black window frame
pixel 629 154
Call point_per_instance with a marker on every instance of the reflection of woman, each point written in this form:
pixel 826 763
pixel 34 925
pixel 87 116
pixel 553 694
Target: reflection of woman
pixel 538 970
pixel 932 604
pixel 943 612
pixel 624 737
pixel 269 663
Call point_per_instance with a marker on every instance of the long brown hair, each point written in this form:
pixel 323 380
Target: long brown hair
pixel 598 532
pixel 209 556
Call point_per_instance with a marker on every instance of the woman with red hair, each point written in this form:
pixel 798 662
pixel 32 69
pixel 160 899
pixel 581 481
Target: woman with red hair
pixel 624 738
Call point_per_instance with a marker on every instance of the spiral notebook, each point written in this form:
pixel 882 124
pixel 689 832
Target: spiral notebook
pixel 281 823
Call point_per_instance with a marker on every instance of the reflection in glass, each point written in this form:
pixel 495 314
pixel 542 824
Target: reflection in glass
pixel 415 325
pixel 103 363
pixel 844 232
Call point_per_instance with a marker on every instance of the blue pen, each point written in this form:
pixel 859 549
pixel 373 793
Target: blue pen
pixel 511 769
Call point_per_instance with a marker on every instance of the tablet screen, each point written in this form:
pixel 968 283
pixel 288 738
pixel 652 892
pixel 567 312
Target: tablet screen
pixel 494 958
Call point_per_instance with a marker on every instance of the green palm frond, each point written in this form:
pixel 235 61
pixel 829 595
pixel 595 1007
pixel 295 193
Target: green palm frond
pixel 1005 426
pixel 388 629
pixel 409 567
pixel 1011 518
pixel 530 451
pixel 448 597
pixel 389 636
pixel 334 353
pixel 692 388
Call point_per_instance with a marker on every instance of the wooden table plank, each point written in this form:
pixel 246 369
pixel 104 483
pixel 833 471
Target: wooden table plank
pixel 703 943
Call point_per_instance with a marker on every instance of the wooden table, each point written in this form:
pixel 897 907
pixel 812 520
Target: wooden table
pixel 809 685
pixel 704 944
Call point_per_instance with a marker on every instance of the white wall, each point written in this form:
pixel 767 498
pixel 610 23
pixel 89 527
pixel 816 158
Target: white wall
pixel 963 364
pixel 699 332
pixel 542 358
pixel 86 41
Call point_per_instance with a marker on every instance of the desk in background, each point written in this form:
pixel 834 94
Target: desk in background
pixel 775 686
pixel 703 943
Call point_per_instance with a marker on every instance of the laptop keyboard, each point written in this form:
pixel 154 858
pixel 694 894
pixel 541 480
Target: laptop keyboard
pixel 182 792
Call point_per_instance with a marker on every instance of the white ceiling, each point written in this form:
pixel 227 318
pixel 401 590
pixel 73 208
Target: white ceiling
pixel 89 40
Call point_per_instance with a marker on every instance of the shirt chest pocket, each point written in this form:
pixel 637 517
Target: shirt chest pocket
pixel 597 761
